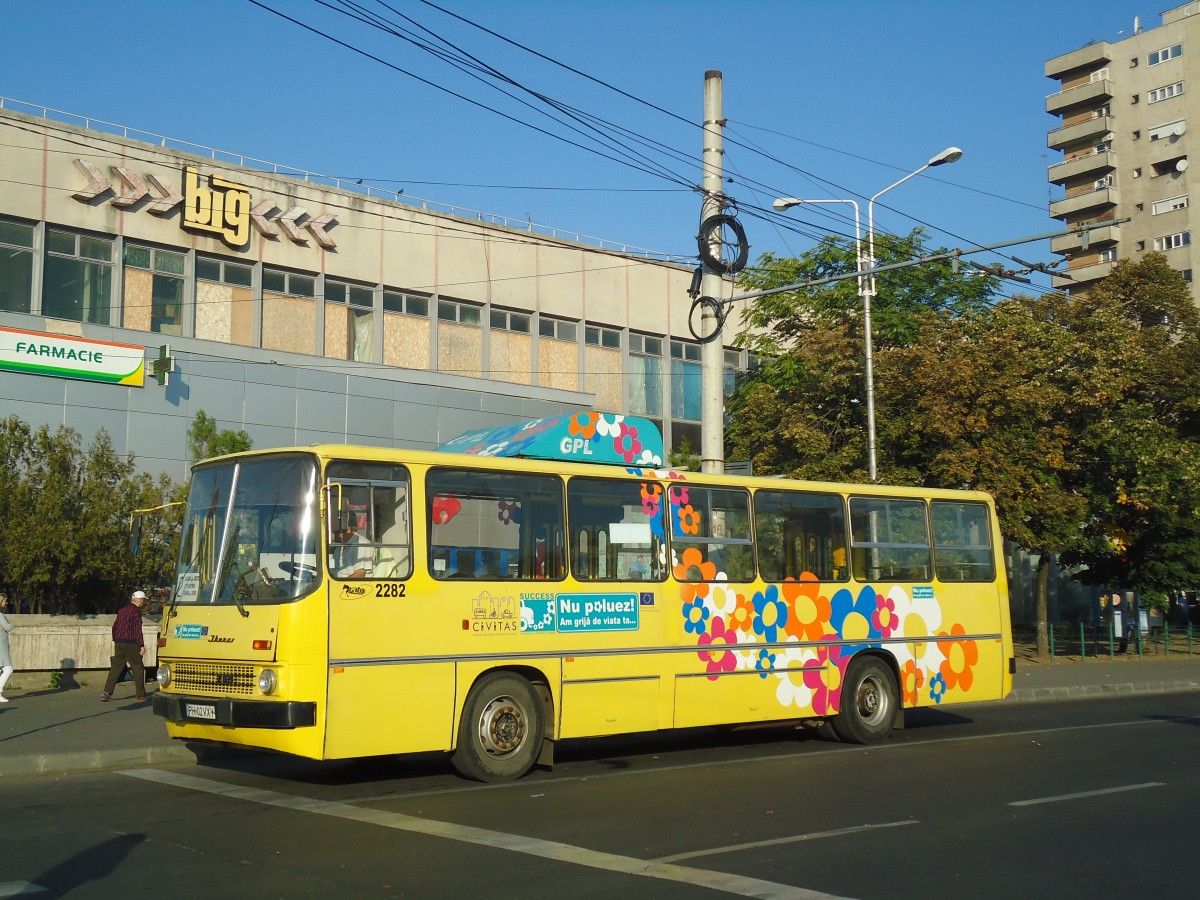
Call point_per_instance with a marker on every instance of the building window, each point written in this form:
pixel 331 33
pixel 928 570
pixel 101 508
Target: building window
pixel 1171 203
pixel 360 323
pixel 462 313
pixel 224 272
pixel 1170 129
pixel 78 277
pixel 1158 56
pixel 1166 92
pixel 1170 166
pixel 559 329
pixel 1109 255
pixel 1187 275
pixel 16 266
pixel 1172 241
pixel 602 337
pixel 166 298
pixel 277 281
pixel 685 381
pixel 644 384
pixel 406 303
pixel 505 320
pixel 345 293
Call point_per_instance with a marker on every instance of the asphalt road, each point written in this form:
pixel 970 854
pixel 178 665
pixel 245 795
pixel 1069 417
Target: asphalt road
pixel 1083 799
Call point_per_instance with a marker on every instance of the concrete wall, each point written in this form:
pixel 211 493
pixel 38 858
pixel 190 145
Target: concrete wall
pixel 46 644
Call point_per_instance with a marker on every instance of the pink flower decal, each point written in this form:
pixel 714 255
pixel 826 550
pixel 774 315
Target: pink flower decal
pixel 627 443
pixel 884 619
pixel 825 679
pixel 719 640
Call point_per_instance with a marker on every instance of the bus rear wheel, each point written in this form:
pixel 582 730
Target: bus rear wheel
pixel 501 730
pixel 869 702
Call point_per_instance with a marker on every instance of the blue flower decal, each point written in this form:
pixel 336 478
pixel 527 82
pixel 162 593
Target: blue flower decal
pixel 937 688
pixel 765 663
pixel 695 616
pixel 770 613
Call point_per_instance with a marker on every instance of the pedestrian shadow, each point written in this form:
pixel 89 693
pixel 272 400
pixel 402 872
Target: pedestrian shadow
pixel 89 866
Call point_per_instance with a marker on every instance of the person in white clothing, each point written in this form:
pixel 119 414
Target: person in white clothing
pixel 355 557
pixel 6 665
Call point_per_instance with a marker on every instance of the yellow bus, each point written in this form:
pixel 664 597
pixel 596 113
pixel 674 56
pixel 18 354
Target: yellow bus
pixel 551 580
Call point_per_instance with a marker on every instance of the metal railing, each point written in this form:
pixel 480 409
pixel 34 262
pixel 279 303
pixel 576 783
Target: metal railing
pixel 1084 641
pixel 344 184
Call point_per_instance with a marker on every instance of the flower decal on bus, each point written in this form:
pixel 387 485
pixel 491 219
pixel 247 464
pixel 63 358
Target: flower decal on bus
pixel 583 425
pixel 718 643
pixel 806 635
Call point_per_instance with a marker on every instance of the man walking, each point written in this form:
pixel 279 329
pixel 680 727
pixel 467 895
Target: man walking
pixel 129 645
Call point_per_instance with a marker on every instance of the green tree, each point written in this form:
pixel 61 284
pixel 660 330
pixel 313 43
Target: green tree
pixel 206 441
pixel 1140 451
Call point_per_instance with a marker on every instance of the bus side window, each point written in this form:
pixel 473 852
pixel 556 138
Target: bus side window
pixel 616 528
pixel 800 535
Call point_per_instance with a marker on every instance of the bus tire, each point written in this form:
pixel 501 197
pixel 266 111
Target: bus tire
pixel 869 702
pixel 501 730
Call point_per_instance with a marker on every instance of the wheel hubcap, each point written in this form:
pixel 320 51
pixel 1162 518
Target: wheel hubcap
pixel 870 700
pixel 502 727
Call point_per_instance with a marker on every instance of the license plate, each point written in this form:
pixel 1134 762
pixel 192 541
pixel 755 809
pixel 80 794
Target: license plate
pixel 201 711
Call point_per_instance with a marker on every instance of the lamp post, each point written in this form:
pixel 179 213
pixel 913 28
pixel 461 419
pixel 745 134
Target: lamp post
pixel 866 285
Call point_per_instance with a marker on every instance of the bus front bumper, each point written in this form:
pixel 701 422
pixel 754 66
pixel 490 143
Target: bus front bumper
pixel 241 713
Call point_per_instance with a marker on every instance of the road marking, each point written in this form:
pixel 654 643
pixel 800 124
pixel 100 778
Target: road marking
pixel 718 881
pixel 16 888
pixel 774 842
pixel 1082 794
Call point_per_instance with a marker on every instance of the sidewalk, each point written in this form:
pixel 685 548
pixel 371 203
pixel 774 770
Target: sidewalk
pixel 48 732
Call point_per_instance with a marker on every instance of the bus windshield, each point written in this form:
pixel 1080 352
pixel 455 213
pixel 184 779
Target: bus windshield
pixel 250 533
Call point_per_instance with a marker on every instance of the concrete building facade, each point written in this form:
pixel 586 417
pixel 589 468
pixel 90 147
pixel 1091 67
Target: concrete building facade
pixel 1123 110
pixel 303 309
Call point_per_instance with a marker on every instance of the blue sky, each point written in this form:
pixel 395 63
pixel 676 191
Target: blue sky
pixel 847 97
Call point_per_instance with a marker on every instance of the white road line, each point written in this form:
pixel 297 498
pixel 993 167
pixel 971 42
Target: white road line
pixel 718 881
pixel 774 842
pixel 1082 794
pixel 17 888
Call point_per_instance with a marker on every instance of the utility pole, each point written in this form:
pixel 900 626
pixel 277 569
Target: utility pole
pixel 712 354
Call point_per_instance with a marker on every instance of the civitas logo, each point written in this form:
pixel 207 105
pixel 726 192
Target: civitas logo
pixel 352 590
pixel 217 639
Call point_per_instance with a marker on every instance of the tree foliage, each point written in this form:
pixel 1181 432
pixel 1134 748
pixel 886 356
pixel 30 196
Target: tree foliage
pixel 66 512
pixel 205 441
pixel 1080 415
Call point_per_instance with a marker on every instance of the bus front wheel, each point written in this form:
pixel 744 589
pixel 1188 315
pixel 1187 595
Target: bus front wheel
pixel 869 702
pixel 501 730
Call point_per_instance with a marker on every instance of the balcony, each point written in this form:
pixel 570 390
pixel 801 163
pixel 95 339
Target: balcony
pixel 1092 56
pixel 1095 164
pixel 1091 93
pixel 1073 205
pixel 1080 131
pixel 1073 243
pixel 1082 276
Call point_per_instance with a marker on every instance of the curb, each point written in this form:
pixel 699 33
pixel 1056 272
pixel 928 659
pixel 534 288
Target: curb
pixel 1079 692
pixel 94 760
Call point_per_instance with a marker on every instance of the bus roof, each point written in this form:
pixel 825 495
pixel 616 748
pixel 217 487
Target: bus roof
pixel 586 436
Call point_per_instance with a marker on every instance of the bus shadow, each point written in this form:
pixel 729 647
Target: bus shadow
pixel 627 752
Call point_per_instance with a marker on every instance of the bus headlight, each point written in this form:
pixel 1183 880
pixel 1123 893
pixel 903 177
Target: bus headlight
pixel 267 682
pixel 163 676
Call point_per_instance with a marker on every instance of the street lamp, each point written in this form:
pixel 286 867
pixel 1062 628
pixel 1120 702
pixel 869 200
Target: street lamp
pixel 949 155
pixel 866 286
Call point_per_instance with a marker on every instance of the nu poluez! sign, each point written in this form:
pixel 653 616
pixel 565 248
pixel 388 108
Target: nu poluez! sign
pixel 69 357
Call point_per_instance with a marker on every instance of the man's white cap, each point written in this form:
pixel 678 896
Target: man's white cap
pixel 138 595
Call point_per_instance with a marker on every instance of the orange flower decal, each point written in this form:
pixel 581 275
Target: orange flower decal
pixel 583 425
pixel 742 617
pixel 911 681
pixel 696 573
pixel 961 658
pixel 689 520
pixel 809 609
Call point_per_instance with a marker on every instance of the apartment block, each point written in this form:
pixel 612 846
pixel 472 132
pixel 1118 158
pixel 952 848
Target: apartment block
pixel 1123 108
